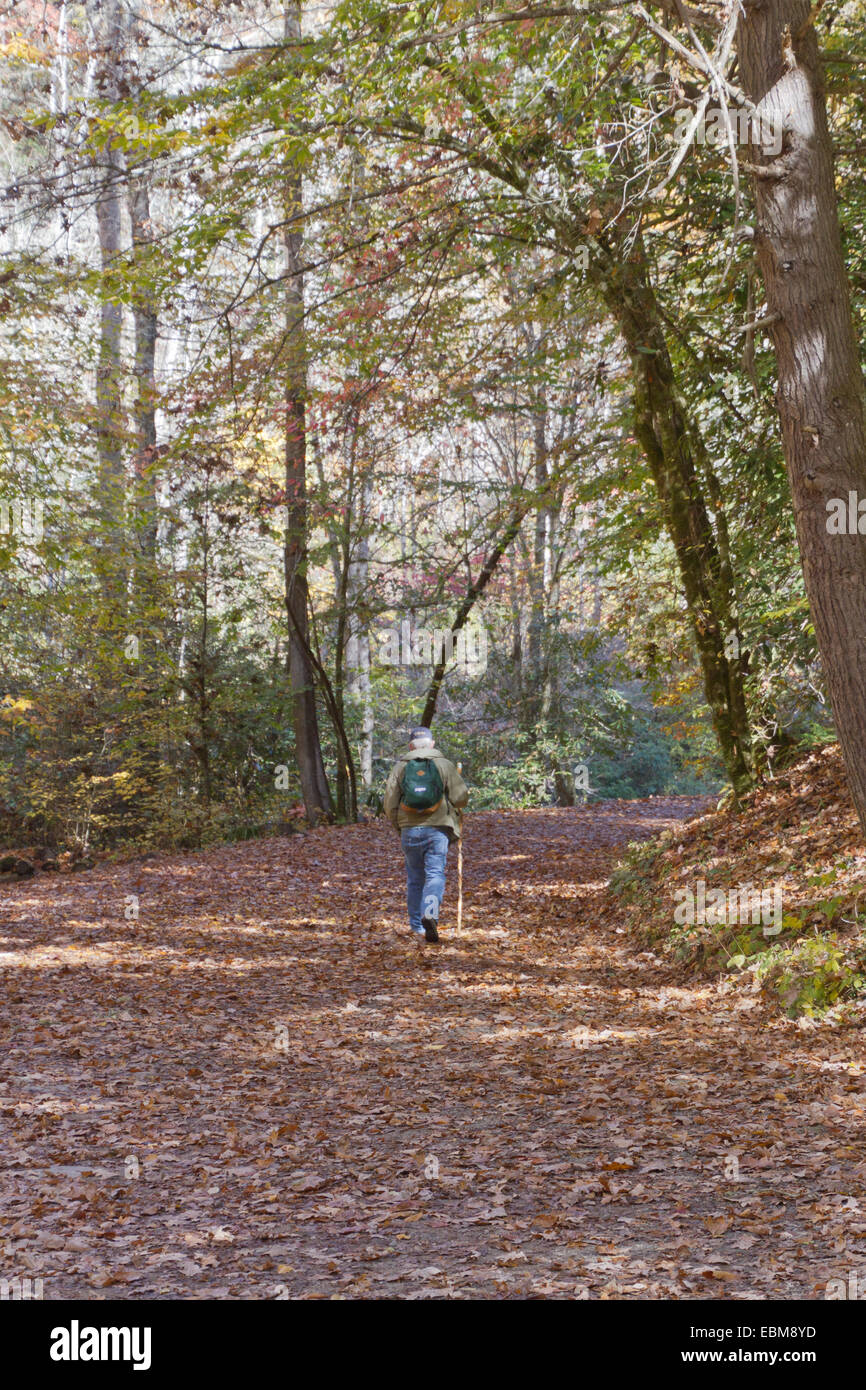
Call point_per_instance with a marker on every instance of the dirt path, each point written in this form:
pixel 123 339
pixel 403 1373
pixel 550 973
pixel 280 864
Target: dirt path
pixel 262 1087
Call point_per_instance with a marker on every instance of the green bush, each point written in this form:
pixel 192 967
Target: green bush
pixel 810 976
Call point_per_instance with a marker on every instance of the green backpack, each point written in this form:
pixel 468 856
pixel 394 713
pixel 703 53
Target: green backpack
pixel 422 785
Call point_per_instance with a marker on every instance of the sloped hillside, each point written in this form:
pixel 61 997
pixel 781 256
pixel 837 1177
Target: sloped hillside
pixel 773 896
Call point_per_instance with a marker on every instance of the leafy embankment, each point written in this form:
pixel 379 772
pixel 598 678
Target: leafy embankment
pixel 799 844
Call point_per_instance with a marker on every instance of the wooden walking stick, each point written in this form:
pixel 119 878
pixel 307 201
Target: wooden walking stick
pixel 460 884
pixel 460 870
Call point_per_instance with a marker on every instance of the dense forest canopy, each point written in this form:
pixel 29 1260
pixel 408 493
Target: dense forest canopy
pixel 494 367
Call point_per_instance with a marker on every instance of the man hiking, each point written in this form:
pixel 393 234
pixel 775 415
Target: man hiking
pixel 424 796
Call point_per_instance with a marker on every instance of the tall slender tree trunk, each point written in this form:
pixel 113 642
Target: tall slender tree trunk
pixel 673 447
pixel 358 645
pixel 820 386
pixel 515 660
pixel 536 631
pixel 473 593
pixel 106 21
pixel 308 750
pixel 145 598
pixel 145 323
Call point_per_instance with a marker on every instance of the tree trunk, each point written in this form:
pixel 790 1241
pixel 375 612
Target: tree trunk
pixel 473 593
pixel 358 646
pixel 145 599
pixel 108 37
pixel 820 384
pixel 536 644
pixel 672 445
pixel 308 751
pixel 145 321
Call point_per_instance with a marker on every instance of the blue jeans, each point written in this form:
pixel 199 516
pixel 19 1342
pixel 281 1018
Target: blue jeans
pixel 426 849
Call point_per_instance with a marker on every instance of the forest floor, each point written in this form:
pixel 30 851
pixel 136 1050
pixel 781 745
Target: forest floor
pixel 263 1087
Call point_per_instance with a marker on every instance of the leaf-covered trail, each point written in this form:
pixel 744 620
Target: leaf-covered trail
pixel 263 1087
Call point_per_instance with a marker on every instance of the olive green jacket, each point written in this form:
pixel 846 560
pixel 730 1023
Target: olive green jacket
pixel 446 816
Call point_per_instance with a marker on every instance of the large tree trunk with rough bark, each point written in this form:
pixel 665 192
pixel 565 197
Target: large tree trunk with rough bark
pixel 820 387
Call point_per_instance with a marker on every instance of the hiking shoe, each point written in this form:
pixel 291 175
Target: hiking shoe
pixel 429 924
